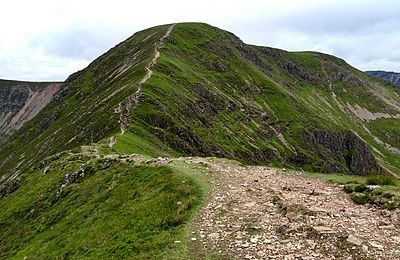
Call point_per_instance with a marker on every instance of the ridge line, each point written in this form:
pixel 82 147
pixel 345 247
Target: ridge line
pixel 125 106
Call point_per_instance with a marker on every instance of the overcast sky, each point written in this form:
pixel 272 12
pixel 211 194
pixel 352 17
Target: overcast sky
pixel 48 40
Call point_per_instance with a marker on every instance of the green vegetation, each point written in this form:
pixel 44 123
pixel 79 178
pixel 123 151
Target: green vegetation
pixel 387 129
pixel 118 209
pixel 381 180
pixel 360 199
pixel 84 112
pixel 386 195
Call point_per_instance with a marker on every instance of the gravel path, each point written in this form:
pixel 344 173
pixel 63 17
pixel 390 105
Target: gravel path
pixel 266 213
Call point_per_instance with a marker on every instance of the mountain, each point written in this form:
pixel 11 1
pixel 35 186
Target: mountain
pixel 22 101
pixel 84 161
pixel 388 76
pixel 209 94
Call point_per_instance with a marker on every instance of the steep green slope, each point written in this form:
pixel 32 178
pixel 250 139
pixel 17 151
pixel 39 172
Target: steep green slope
pixel 210 94
pixel 84 112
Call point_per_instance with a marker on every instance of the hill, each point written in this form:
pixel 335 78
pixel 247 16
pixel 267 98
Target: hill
pixel 388 76
pixel 209 94
pixel 22 101
pixel 110 163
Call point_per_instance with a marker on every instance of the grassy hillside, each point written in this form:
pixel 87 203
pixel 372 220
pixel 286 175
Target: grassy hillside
pixel 83 206
pixel 212 95
pixel 84 112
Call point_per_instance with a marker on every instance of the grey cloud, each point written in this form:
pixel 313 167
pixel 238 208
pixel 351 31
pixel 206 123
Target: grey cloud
pixel 77 41
pixel 366 34
pixel 342 17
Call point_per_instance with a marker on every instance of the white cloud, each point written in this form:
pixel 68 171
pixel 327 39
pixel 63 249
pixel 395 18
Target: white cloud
pixel 48 40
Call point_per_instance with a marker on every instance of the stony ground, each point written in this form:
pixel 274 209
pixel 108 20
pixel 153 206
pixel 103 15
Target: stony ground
pixel 266 213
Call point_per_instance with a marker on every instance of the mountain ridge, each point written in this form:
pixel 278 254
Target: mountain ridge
pixel 388 76
pixel 283 73
pixel 148 153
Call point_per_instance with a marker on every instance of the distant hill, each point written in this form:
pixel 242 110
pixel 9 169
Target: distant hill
pixel 392 77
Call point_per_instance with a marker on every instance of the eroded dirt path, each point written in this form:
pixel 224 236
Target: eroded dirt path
pixel 125 107
pixel 265 213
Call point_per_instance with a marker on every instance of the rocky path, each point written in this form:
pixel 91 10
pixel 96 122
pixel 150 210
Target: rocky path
pixel 265 213
pixel 129 103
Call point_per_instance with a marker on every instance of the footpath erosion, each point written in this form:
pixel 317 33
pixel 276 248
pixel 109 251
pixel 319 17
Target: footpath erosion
pixel 266 213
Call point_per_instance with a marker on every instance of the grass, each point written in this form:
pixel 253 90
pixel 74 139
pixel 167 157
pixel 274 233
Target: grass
pixel 387 129
pixel 381 180
pixel 387 195
pixel 123 211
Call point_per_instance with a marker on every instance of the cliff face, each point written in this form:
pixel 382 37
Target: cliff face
pixel 392 77
pixel 11 101
pixel 341 152
pixel 21 101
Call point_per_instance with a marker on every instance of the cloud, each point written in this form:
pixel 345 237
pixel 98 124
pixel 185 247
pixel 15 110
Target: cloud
pixel 78 41
pixel 363 33
pixel 48 40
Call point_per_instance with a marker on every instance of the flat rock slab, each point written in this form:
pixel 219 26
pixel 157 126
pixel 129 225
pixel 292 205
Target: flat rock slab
pixel 323 230
pixel 354 240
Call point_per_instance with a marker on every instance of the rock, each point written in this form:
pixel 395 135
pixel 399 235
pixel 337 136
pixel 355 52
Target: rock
pixel 396 239
pixel 213 235
pixel 46 169
pixel 250 204
pixel 255 239
pixel 307 257
pixel 311 243
pixel 323 230
pixel 387 227
pixel 318 210
pixel 354 240
pixel 361 161
pixel 316 192
pixel 375 245
pixel 245 245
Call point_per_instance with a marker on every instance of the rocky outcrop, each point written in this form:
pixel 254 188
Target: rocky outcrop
pixel 20 102
pixel 388 76
pixel 341 152
pixel 11 101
